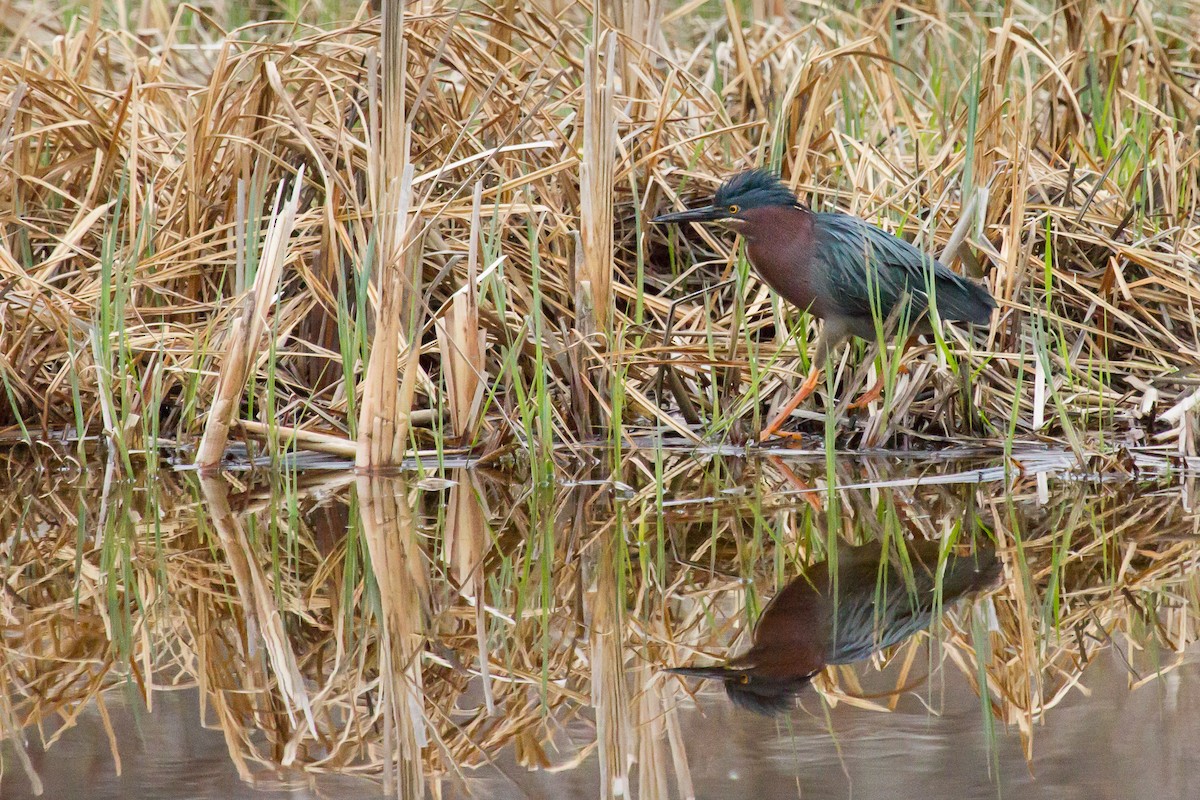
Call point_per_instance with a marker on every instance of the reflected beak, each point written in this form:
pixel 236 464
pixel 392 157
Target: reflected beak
pixel 711 673
pixel 703 214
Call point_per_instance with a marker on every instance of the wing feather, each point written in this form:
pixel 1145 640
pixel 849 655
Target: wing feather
pixel 862 260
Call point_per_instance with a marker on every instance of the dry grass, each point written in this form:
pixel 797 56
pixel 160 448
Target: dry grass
pixel 414 634
pixel 1051 148
pixel 137 173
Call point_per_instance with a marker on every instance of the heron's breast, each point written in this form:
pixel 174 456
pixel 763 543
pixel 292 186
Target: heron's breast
pixel 781 247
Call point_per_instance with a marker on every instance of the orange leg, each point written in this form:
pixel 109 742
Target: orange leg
pixel 869 396
pixel 833 332
pixel 876 391
pixel 806 388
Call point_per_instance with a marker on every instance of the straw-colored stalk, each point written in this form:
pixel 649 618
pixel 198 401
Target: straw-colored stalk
pixel 610 697
pixel 462 341
pixel 640 35
pixel 596 182
pixel 246 328
pixel 263 616
pixel 383 417
pixel 396 562
pixel 8 722
pixel 656 730
pixel 466 544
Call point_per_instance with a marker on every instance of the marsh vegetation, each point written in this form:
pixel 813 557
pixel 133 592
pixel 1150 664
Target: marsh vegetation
pixel 189 199
pixel 294 239
pixel 420 632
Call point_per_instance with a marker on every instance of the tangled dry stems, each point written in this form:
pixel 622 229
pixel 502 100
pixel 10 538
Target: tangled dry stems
pixel 137 175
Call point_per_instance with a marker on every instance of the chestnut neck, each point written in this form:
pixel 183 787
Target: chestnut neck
pixel 769 222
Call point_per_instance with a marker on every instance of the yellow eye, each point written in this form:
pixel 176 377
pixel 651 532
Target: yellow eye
pixel 733 209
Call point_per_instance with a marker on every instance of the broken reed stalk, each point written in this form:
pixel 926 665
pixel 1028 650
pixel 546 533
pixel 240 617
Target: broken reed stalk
pixel 314 441
pixel 386 403
pixel 263 618
pixel 606 653
pixel 461 340
pixel 467 544
pixel 638 22
pixel 246 328
pixel 593 272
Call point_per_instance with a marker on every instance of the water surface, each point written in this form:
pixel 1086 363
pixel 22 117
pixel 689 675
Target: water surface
pixel 472 633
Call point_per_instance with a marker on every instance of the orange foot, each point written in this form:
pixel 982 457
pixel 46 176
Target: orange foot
pixel 794 438
pixel 807 388
pixel 869 396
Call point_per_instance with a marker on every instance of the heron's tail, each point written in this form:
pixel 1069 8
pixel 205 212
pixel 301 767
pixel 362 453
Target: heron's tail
pixel 961 299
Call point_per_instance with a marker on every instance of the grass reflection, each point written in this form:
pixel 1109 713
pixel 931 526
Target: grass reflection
pixel 414 630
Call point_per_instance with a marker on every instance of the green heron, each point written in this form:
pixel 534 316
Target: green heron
pixel 808 625
pixel 840 268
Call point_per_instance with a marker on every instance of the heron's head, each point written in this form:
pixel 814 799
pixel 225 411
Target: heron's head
pixel 742 193
pixel 753 689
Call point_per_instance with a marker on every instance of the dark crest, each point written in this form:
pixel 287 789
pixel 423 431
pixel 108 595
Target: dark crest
pixel 753 189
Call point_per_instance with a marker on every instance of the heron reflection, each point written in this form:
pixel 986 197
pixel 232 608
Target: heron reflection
pixel 842 612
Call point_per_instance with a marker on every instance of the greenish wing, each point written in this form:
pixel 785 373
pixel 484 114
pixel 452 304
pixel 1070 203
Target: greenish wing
pixel 864 262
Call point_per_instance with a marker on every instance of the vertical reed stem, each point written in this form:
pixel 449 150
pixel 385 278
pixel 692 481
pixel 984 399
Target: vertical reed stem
pixel 386 405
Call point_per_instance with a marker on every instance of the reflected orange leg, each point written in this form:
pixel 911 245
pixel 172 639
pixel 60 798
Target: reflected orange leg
pixel 807 493
pixel 806 389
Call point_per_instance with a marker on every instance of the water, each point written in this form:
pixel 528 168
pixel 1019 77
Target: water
pixel 318 634
pixel 1116 744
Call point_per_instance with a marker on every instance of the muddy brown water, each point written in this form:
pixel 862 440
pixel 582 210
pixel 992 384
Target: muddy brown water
pixel 464 632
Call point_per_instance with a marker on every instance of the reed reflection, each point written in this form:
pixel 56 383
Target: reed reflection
pixel 843 611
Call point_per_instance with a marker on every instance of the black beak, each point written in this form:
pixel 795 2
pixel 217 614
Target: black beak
pixel 703 214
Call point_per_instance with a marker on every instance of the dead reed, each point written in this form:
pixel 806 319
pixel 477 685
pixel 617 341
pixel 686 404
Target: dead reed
pixel 137 171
